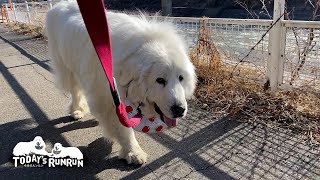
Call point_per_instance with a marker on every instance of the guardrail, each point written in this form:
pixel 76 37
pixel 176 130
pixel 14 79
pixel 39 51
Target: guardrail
pixel 286 52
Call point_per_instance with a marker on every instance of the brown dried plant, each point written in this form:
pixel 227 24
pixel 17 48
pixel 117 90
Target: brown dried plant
pixel 244 100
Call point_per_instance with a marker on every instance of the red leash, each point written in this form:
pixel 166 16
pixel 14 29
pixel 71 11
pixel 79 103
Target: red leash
pixel 94 16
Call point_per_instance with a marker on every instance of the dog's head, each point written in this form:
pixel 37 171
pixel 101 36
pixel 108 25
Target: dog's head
pixel 39 143
pixel 57 148
pixel 160 75
pixel 166 81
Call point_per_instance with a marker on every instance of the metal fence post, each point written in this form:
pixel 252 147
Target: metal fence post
pixel 50 4
pixel 276 46
pixel 2 13
pixel 14 11
pixel 7 9
pixel 166 7
pixel 283 38
pixel 28 12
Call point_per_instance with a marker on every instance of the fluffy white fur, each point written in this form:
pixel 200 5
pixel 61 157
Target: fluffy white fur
pixel 37 146
pixel 143 50
pixel 59 151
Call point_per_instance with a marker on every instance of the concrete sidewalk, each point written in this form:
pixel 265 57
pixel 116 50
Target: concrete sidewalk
pixel 201 147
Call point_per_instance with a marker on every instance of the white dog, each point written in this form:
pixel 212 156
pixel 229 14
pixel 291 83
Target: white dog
pixel 150 63
pixel 37 146
pixel 59 151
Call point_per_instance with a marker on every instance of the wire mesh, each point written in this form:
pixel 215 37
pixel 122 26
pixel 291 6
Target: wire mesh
pixel 38 12
pixel 302 64
pixel 234 39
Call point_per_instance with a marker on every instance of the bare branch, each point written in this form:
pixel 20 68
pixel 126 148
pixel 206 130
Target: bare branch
pixel 245 7
pixel 264 7
pixel 253 48
pixel 309 1
pixel 308 48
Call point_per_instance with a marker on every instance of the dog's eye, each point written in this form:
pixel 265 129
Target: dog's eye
pixel 180 78
pixel 161 81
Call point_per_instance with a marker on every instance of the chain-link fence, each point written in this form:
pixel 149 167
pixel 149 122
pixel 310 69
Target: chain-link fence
pixel 237 40
pixel 302 56
pixel 28 12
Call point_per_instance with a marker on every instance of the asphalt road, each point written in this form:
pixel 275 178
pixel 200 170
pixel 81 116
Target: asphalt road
pixel 203 146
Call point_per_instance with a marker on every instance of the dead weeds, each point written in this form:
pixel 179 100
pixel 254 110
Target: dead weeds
pixel 26 29
pixel 239 95
pixel 246 100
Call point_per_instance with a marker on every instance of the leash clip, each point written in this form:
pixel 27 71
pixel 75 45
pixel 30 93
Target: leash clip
pixel 115 94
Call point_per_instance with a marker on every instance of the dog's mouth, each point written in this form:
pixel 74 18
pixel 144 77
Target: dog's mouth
pixel 56 151
pixel 168 121
pixel 38 147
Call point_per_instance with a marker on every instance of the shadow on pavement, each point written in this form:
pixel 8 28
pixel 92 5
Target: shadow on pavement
pixel 202 146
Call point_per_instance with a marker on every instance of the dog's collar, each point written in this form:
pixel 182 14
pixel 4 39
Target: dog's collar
pixel 126 96
pixel 127 88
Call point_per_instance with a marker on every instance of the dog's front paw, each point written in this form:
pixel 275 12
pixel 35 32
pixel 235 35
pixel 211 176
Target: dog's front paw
pixel 77 114
pixel 134 156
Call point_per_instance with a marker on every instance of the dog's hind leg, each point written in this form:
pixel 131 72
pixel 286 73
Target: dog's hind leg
pixel 66 81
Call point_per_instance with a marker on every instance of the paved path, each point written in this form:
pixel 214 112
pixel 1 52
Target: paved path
pixel 202 147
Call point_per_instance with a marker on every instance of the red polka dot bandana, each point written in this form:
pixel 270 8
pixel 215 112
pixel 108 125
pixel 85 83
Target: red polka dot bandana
pixel 146 125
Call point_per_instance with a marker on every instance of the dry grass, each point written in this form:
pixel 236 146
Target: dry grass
pixel 26 29
pixel 35 29
pixel 225 90
pixel 245 100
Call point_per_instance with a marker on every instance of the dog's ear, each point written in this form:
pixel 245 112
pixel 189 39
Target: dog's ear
pixel 192 81
pixel 129 71
pixel 126 75
pixel 130 80
pixel 139 82
pixel 145 78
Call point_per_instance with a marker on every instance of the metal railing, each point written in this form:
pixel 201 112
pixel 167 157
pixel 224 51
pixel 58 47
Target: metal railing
pixel 28 12
pixel 284 52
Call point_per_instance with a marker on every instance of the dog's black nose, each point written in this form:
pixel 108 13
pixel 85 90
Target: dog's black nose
pixel 177 111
